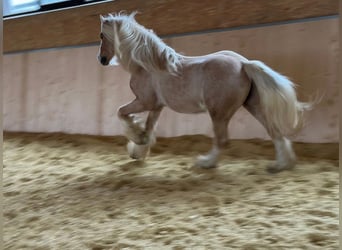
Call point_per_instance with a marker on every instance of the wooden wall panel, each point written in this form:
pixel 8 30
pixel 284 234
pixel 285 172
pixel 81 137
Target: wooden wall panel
pixel 14 91
pixel 85 96
pixel 81 25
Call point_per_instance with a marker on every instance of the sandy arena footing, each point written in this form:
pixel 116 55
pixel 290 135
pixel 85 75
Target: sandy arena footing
pixel 75 192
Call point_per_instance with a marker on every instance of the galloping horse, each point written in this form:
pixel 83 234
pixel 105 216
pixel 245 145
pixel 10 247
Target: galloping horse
pixel 217 83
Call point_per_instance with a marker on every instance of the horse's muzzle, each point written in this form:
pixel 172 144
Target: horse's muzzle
pixel 104 60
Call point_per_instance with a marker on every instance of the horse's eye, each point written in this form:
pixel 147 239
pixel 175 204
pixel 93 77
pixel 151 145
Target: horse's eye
pixel 101 35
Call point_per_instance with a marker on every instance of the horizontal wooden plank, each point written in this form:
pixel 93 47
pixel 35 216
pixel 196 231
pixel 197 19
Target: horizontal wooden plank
pixel 81 25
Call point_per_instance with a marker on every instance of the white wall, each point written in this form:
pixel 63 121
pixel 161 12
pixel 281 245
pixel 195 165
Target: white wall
pixel 66 90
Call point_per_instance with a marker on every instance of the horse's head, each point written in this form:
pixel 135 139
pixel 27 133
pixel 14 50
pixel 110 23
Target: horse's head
pixel 125 41
pixel 107 36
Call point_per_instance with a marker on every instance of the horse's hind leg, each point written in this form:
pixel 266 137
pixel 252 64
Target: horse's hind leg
pixel 285 157
pixel 220 141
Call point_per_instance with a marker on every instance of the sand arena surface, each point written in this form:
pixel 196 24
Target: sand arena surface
pixel 83 192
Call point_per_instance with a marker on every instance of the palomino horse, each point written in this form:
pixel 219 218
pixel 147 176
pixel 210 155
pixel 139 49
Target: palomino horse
pixel 217 83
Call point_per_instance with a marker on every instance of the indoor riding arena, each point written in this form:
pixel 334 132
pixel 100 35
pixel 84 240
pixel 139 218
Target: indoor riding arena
pixel 69 182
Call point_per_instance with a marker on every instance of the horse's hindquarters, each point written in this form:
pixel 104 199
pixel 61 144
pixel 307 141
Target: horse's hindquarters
pixel 226 86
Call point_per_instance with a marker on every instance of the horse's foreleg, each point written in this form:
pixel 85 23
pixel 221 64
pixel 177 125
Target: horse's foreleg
pixel 125 112
pixel 220 141
pixel 134 128
pixel 140 151
pixel 150 124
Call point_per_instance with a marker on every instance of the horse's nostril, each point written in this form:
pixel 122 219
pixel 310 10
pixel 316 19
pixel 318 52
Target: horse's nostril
pixel 103 60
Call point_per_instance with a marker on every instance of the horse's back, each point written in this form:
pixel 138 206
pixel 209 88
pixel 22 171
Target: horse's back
pixel 220 68
pixel 227 54
pixel 203 80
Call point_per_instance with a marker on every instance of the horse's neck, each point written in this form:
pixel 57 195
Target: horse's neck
pixel 136 69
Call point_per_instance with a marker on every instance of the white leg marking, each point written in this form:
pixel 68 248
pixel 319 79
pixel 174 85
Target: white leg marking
pixel 137 152
pixel 285 157
pixel 209 160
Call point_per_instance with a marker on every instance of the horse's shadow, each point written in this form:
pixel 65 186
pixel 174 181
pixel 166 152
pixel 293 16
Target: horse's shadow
pixel 117 190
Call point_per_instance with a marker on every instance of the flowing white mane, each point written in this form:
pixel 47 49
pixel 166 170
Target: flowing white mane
pixel 134 45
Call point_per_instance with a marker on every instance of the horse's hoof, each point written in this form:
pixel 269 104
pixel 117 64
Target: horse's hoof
pixel 276 168
pixel 137 152
pixel 140 137
pixel 204 161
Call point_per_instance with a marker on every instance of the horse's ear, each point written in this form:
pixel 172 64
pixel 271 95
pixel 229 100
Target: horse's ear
pixel 102 19
pixel 133 14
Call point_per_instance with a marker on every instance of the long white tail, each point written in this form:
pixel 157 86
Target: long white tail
pixel 282 110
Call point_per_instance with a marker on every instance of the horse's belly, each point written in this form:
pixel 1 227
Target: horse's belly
pixel 188 110
pixel 183 96
pixel 185 106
